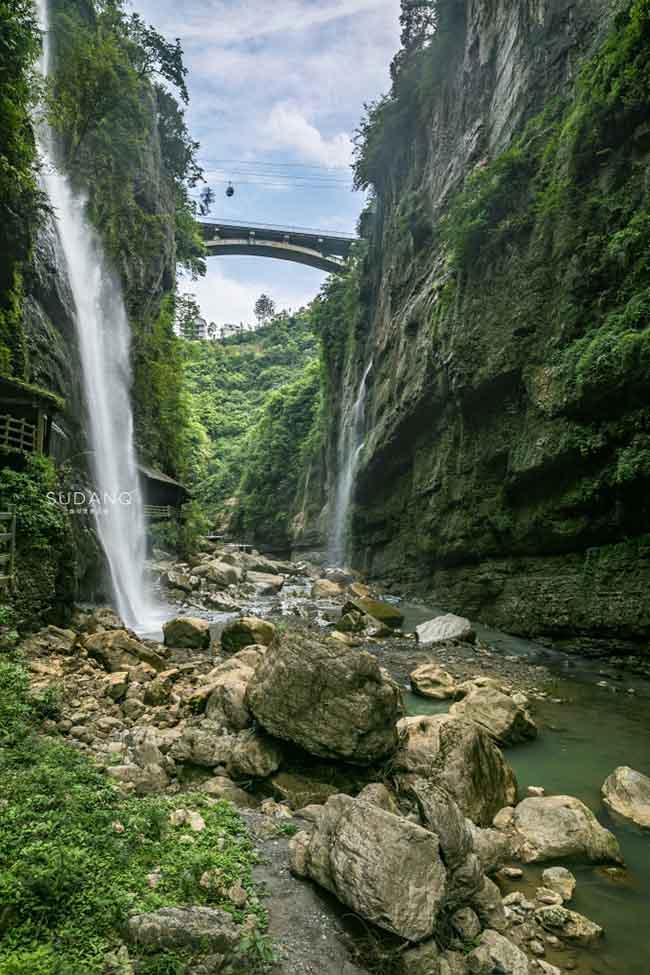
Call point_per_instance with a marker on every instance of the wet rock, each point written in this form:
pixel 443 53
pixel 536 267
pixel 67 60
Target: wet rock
pixel 430 680
pixel 443 628
pixel 496 713
pixel 384 612
pixel 569 926
pixel 326 589
pixel 560 880
pixel 117 650
pixel 496 953
pixel 187 632
pixel 557 828
pixel 626 793
pixel 245 632
pixel 326 697
pixel 460 757
pixel 199 928
pixel 383 867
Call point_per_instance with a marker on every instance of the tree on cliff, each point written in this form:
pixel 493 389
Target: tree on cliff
pixel 264 308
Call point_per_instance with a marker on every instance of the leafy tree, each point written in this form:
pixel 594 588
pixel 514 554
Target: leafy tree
pixel 264 308
pixel 21 203
pixel 152 54
pixel 188 319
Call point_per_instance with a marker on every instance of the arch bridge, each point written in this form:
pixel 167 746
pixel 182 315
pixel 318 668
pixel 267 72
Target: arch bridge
pixel 315 248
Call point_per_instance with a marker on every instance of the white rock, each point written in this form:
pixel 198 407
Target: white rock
pixel 443 628
pixel 626 793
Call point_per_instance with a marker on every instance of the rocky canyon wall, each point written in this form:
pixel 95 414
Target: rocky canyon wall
pixel 504 302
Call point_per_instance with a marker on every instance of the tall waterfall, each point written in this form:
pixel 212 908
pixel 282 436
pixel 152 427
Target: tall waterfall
pixel 103 336
pixel 349 452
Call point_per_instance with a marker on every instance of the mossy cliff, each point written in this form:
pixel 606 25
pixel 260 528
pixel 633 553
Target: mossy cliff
pixel 123 141
pixel 505 301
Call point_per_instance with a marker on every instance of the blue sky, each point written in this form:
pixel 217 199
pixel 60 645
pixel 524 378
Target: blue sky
pixel 275 82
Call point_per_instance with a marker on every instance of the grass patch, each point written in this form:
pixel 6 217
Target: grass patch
pixel 76 856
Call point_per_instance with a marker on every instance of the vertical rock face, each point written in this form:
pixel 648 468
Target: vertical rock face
pixel 502 468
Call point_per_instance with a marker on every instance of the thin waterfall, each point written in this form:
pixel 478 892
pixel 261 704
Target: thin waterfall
pixel 104 337
pixel 349 452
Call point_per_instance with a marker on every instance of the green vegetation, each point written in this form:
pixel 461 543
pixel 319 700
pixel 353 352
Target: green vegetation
pixel 229 384
pixel 125 142
pixel 21 203
pixel 76 855
pixel 44 585
pixel 276 455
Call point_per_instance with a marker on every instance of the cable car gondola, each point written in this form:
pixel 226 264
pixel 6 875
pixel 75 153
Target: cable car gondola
pixel 230 191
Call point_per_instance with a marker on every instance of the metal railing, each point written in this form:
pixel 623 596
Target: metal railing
pixel 7 546
pixel 17 434
pixel 247 224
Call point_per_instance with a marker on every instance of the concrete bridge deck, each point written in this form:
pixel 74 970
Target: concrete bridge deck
pixel 315 248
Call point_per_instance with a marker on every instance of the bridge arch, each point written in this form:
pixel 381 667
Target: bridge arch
pixel 318 249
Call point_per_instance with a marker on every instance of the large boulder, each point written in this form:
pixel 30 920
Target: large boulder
pixel 117 650
pixel 222 575
pixel 430 680
pixel 198 928
pixel 498 714
pixel 626 793
pixel 557 828
pixel 443 628
pixel 379 610
pixel 326 697
pixel 460 757
pixel 187 632
pixel 383 867
pixel 245 632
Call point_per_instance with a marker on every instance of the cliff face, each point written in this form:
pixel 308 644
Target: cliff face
pixel 504 306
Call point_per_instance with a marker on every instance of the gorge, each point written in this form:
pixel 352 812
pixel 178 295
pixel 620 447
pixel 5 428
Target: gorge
pixel 348 672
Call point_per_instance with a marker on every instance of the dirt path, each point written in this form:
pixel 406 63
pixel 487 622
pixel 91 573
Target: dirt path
pixel 305 923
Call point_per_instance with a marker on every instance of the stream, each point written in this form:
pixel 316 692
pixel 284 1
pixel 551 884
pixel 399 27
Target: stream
pixel 582 740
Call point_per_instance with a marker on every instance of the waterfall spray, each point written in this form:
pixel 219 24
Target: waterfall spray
pixel 350 448
pixel 103 335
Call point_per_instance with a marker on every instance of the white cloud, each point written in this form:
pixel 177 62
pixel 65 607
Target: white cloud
pixel 228 300
pixel 287 128
pixel 223 23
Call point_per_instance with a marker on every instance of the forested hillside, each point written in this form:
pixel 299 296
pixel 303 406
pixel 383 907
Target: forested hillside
pixel 254 398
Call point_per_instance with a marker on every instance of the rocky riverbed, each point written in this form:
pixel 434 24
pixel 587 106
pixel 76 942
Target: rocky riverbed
pixel 368 760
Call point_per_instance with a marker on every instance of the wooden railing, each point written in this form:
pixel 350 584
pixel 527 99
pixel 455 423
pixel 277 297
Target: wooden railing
pixel 158 512
pixel 7 546
pixel 18 434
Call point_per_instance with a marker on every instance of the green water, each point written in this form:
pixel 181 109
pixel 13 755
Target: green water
pixel 581 741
